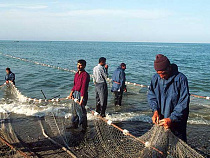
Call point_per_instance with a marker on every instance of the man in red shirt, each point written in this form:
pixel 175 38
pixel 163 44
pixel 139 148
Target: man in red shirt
pixel 80 92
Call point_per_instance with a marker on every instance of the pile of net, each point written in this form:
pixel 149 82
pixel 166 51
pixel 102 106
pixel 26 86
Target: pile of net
pixel 103 139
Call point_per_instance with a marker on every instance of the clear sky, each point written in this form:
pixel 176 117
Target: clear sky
pixel 106 20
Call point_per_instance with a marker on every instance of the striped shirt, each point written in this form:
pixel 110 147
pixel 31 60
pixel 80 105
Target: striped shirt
pixel 100 74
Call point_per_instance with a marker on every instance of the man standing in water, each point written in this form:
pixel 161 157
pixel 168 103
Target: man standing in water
pixel 10 76
pixel 80 92
pixel 169 97
pixel 118 83
pixel 100 74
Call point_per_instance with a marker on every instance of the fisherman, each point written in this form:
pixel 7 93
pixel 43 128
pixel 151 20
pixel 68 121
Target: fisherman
pixel 118 83
pixel 10 76
pixel 169 97
pixel 100 75
pixel 80 92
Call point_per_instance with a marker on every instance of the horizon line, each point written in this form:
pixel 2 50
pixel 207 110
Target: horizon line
pixel 104 41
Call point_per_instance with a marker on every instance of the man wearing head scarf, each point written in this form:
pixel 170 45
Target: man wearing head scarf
pixel 118 83
pixel 169 97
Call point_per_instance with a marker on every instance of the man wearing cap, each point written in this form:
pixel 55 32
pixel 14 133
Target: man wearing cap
pixel 118 84
pixel 169 97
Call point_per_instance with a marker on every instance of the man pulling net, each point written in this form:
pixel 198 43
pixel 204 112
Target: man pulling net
pixel 169 97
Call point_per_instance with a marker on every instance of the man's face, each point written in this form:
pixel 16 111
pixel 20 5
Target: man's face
pixel 123 67
pixel 80 67
pixel 164 74
pixel 7 71
pixel 103 63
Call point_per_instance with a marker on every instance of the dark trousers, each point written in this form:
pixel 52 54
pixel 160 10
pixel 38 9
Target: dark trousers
pixel 79 111
pixel 101 97
pixel 179 130
pixel 118 97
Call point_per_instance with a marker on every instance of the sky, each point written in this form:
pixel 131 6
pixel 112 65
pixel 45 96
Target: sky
pixel 106 20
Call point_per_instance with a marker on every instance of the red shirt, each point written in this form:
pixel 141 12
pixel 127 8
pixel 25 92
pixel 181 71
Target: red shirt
pixel 81 82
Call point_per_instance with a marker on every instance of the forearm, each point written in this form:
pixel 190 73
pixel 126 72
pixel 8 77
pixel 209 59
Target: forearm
pixel 81 100
pixel 71 92
pixel 71 95
pixel 106 72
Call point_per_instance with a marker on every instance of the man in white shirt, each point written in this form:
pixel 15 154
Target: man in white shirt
pixel 100 74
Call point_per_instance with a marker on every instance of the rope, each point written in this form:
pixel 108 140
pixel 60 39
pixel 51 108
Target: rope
pixel 73 71
pixel 56 143
pixel 13 148
pixel 124 131
pixel 59 130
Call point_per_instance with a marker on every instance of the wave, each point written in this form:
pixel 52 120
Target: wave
pixel 61 110
pixel 32 109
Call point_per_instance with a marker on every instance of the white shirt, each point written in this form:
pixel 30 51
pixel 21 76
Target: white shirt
pixel 100 74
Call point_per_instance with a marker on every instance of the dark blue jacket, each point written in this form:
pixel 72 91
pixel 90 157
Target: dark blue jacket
pixel 170 97
pixel 118 76
pixel 10 77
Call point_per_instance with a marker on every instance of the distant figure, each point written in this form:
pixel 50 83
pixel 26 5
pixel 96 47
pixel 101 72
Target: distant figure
pixel 118 83
pixel 80 92
pixel 10 76
pixel 169 97
pixel 100 74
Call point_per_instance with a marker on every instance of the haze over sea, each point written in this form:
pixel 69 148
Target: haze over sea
pixel 192 60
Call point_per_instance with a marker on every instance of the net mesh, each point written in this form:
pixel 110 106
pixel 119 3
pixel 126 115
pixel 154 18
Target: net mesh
pixel 104 139
pixel 7 138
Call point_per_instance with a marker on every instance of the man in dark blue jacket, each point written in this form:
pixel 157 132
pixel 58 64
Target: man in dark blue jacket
pixel 118 83
pixel 169 97
pixel 10 76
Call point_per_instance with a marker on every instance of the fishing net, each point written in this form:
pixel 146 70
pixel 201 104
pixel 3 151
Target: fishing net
pixel 7 139
pixel 103 138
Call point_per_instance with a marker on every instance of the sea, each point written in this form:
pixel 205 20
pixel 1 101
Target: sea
pixel 192 59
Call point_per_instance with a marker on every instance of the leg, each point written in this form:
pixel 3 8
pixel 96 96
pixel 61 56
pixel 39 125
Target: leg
pixel 120 94
pixel 103 98
pixel 84 123
pixel 75 117
pixel 84 118
pixel 98 105
pixel 115 98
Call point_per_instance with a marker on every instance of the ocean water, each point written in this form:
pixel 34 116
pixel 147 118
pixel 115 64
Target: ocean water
pixel 192 60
